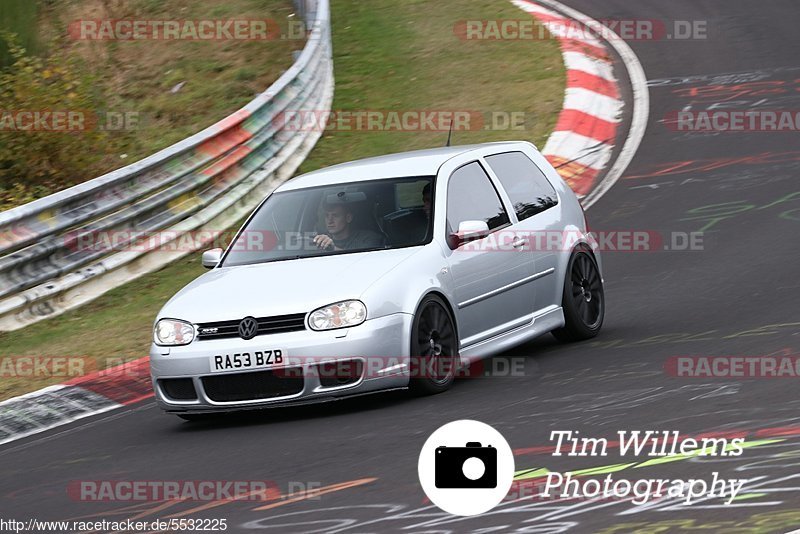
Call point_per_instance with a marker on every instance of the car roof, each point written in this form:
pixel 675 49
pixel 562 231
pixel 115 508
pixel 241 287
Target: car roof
pixel 416 163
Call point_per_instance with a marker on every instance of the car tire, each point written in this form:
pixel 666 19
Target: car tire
pixel 583 299
pixel 434 348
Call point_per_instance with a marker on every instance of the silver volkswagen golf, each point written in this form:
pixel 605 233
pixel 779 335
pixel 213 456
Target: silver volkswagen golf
pixel 385 273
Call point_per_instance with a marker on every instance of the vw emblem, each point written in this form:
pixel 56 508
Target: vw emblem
pixel 248 328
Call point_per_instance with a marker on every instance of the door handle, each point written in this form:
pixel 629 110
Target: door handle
pixel 519 242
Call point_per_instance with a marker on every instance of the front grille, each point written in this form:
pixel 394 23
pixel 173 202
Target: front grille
pixel 178 388
pixel 253 386
pixel 278 324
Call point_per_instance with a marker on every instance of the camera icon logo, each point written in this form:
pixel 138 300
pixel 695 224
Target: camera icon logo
pixel 472 466
pixel 466 467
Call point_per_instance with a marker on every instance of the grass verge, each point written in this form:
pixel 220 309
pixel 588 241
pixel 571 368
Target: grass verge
pixel 388 55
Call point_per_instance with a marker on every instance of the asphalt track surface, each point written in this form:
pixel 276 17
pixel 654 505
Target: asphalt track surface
pixel 737 296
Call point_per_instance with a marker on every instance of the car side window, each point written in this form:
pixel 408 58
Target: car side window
pixel 471 196
pixel 528 188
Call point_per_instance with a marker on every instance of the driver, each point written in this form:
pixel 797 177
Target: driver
pixel 341 235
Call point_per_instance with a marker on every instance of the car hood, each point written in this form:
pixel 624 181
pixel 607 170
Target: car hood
pixel 283 287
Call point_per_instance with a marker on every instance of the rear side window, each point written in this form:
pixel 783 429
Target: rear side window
pixel 472 197
pixel 527 187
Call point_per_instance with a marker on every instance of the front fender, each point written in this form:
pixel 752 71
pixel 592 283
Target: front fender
pixel 403 288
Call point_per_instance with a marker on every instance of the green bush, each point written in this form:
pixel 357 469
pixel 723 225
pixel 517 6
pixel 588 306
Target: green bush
pixel 19 16
pixel 34 162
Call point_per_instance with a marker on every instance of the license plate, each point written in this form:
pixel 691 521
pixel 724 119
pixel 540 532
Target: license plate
pixel 241 361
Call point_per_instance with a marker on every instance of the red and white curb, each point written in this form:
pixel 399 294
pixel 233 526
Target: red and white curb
pixel 580 147
pixel 75 399
pixel 582 143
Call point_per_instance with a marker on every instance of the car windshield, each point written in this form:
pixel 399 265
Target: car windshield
pixel 337 219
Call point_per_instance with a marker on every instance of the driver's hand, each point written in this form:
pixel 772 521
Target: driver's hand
pixel 323 241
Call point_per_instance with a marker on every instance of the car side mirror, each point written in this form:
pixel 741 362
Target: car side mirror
pixel 211 258
pixel 469 231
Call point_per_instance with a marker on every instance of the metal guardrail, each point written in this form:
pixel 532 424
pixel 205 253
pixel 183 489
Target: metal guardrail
pixel 206 182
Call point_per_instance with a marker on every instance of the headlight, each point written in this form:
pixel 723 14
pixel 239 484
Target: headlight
pixel 173 332
pixel 339 315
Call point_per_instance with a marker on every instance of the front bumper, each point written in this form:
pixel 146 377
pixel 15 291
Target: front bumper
pixel 381 345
